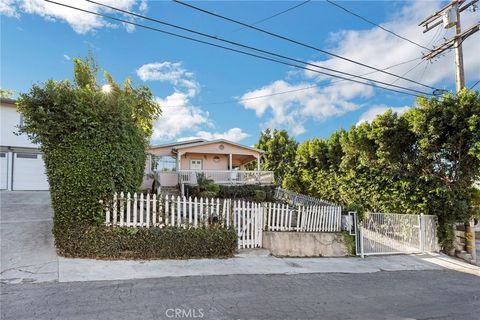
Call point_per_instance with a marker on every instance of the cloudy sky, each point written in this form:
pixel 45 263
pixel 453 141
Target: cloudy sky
pixel 211 93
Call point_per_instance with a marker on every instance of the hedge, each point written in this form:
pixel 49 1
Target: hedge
pixel 250 192
pixel 101 242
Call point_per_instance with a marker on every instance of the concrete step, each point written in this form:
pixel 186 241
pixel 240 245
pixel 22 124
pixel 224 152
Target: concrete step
pixel 249 253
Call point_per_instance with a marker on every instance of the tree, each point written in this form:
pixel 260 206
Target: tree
pixel 93 141
pixel 280 152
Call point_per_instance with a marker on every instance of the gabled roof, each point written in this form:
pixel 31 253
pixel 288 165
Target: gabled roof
pixel 201 143
pixel 8 101
pixel 178 143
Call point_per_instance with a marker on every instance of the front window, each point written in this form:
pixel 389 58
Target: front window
pixel 164 163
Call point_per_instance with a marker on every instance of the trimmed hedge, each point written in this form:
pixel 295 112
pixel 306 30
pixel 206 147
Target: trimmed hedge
pixel 100 242
pixel 248 192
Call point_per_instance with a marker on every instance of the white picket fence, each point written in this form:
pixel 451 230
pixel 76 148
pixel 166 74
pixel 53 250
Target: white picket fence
pixel 281 217
pixel 249 219
pixel 150 211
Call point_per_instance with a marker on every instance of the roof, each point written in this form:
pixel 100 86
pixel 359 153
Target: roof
pixel 8 101
pixel 201 143
pixel 178 143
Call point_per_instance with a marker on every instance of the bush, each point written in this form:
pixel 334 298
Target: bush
pixel 101 242
pixel 93 143
pixel 248 192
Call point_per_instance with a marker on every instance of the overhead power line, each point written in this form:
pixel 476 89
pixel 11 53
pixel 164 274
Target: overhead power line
pixel 475 84
pixel 276 35
pixel 275 15
pixel 229 49
pixel 377 25
pixel 255 49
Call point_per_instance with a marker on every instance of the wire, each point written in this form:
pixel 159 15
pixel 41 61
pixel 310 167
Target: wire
pixel 296 42
pixel 230 49
pixel 274 15
pixel 475 84
pixel 409 70
pixel 375 24
pixel 255 49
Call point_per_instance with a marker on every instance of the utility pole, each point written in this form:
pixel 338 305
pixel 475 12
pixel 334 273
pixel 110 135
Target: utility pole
pixel 450 16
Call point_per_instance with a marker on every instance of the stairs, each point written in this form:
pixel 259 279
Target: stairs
pixel 171 191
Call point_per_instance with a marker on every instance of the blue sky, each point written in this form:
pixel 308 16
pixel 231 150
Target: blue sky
pixel 38 41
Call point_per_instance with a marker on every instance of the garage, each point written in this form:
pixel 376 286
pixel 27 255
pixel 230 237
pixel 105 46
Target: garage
pixel 3 171
pixel 28 172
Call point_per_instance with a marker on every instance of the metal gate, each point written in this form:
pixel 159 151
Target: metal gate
pixel 388 233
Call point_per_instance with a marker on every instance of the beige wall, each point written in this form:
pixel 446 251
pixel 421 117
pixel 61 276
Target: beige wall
pixel 207 161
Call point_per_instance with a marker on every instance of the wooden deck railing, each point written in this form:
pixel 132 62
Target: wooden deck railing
pixel 227 176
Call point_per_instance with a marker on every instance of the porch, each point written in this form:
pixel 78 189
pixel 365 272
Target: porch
pixel 227 176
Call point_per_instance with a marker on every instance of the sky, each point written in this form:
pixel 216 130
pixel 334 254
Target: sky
pixel 211 93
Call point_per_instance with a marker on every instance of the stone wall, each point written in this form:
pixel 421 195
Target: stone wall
pixel 304 244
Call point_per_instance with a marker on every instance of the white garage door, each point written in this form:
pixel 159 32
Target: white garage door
pixel 3 170
pixel 29 172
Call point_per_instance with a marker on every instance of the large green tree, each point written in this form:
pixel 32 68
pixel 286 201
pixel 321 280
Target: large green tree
pixel 93 138
pixel 425 161
pixel 280 152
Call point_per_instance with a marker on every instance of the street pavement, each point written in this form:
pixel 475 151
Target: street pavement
pixel 436 294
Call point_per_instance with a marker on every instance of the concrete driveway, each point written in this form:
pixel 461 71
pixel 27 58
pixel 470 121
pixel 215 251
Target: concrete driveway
pixel 27 246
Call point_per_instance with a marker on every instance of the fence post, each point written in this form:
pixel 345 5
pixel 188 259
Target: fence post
pixel 422 232
pixel 360 231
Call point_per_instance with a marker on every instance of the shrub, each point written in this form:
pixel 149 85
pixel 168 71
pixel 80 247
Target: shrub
pixel 260 195
pixel 248 192
pixel 101 242
pixel 93 143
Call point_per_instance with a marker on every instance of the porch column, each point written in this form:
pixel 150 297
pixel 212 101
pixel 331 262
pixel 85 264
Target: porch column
pixel 230 162
pixel 179 161
pixel 258 163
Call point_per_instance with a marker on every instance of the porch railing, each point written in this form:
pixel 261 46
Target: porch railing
pixel 227 176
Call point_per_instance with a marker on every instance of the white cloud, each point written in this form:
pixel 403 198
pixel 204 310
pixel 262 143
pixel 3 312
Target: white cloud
pixel 374 111
pixel 373 47
pixel 66 57
pixel 233 134
pixel 178 115
pixel 292 109
pixel 8 8
pixel 172 72
pixel 81 22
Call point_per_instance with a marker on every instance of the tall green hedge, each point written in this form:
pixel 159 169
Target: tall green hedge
pixel 93 139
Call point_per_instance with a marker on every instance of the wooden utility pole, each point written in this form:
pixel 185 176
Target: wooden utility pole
pixel 450 16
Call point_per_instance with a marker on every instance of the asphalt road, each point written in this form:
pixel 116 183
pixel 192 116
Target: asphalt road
pixel 381 295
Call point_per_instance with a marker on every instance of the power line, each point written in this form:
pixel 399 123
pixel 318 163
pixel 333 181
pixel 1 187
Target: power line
pixel 475 84
pixel 296 42
pixel 409 70
pixel 254 48
pixel 274 15
pixel 229 49
pixel 377 25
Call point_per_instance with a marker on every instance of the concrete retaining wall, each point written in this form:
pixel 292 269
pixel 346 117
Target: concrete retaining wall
pixel 304 244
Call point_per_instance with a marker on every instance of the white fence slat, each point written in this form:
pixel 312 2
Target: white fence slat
pixel 115 208
pixel 141 213
pixel 147 217
pixel 107 213
pixel 299 214
pixel 135 213
pixel 179 211
pixel 154 210
pixel 167 211
pixel 172 211
pixel 121 209
pixel 129 212
pixel 195 214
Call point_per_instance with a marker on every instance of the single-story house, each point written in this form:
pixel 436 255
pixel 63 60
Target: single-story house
pixel 21 162
pixel 221 160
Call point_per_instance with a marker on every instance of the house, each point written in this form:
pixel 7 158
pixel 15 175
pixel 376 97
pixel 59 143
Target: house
pixel 21 162
pixel 223 161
